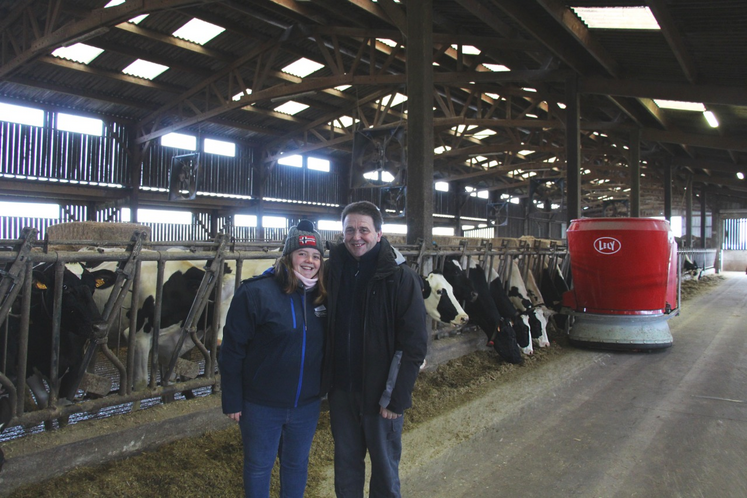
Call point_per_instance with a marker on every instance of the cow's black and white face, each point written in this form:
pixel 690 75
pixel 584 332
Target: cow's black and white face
pixel 463 289
pixel 440 302
pixel 80 316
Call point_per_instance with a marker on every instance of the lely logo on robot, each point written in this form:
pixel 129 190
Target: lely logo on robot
pixel 607 245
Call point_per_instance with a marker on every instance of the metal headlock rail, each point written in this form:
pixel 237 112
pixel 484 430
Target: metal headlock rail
pixel 20 255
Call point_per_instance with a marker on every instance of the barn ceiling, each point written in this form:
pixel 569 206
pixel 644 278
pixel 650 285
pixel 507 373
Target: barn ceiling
pixel 501 69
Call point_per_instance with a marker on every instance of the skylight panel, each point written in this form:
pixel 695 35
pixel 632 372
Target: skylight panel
pixel 387 42
pixel 21 114
pixel 679 105
pixel 79 124
pixel 114 3
pixel 467 49
pixel 497 68
pixel 344 122
pixel 396 100
pixel 441 149
pixel 526 152
pixel 241 95
pixel 302 67
pixel 198 31
pixel 617 17
pixel 144 69
pixel 460 129
pixel 291 107
pixel 483 133
pixel 80 52
pixel 711 118
pixel 342 88
pixel 138 19
pixel 442 186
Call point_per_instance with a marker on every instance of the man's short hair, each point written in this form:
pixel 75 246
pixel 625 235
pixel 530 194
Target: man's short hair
pixel 364 208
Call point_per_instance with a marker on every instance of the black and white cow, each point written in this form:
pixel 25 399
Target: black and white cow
pixel 463 289
pixel 527 304
pixel 80 320
pixel 181 282
pixel 482 309
pixel 691 268
pixel 440 302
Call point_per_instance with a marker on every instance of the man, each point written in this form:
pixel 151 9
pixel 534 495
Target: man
pixel 376 342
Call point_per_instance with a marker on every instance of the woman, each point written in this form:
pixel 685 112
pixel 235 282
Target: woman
pixel 271 361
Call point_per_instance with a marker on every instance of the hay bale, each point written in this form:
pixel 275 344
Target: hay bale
pixel 93 231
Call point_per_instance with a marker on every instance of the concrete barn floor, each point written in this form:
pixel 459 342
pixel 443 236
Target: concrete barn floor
pixel 672 423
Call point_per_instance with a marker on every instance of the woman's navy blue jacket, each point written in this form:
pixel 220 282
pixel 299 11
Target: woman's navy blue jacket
pixel 272 346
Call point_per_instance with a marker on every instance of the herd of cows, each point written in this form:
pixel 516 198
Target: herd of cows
pixel 76 299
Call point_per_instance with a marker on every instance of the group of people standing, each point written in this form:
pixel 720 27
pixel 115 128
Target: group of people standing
pixel 352 328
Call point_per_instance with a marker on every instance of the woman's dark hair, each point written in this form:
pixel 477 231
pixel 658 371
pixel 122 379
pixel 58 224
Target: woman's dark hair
pixel 289 282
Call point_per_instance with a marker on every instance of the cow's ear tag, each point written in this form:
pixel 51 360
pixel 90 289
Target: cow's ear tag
pixel 40 285
pixel 100 282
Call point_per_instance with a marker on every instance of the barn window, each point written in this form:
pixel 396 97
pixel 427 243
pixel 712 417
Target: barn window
pixel 317 164
pixel 21 115
pixel 79 124
pixel 158 216
pixel 179 141
pixel 331 225
pixel 295 161
pixel 245 220
pixel 442 186
pixel 220 147
pixel 447 231
pixel 31 209
pixel 397 228
pixel 274 222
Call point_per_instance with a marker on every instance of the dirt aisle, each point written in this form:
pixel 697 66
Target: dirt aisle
pixel 672 423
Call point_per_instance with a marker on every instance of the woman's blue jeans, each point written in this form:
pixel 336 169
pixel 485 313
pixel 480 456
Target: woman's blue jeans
pixel 286 433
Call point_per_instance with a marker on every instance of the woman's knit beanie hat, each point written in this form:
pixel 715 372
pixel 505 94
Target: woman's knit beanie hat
pixel 303 236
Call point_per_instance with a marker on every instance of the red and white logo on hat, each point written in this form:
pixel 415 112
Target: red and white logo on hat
pixel 306 240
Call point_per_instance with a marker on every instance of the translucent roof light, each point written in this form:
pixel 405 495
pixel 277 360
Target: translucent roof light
pixel 302 67
pixel 679 105
pixel 617 17
pixel 397 99
pixel 291 107
pixel 80 52
pixel 240 95
pixel 711 118
pixel 496 67
pixel 198 31
pixel 483 133
pixel 387 42
pixel 467 49
pixel 144 69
